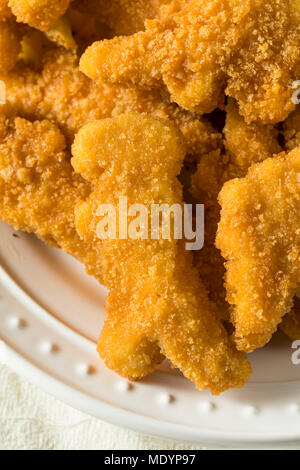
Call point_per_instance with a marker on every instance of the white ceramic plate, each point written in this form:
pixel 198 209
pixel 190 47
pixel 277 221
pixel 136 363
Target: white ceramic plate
pixel 51 313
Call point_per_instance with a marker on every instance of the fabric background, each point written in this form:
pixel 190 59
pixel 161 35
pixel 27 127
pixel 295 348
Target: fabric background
pixel 33 420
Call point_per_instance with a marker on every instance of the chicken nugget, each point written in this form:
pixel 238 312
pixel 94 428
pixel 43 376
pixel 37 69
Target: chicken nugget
pixel 64 95
pixel 259 236
pixel 199 48
pixel 38 187
pixel 87 28
pixel 244 144
pixel 205 187
pixel 156 302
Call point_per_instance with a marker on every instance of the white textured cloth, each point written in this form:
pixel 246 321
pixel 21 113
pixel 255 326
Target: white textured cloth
pixel 33 420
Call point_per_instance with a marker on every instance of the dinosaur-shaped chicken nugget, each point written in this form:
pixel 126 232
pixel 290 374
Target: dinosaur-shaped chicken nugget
pixel 259 236
pixel 156 303
pixel 199 48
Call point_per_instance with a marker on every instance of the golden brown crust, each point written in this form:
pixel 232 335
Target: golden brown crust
pixel 291 322
pixel 259 236
pixel 291 130
pixel 38 187
pixel 123 16
pixel 206 185
pixel 244 145
pixel 199 48
pixel 40 14
pixel 63 94
pixel 156 300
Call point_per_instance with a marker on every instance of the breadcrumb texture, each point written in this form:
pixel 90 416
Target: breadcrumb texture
pixel 291 322
pixel 59 92
pixel 259 236
pixel 39 188
pixel 123 16
pixel 291 130
pixel 198 49
pixel 244 145
pixel 40 14
pixel 156 302
pixel 206 185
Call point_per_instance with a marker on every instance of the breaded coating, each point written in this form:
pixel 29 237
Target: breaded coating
pixel 291 322
pixel 40 14
pixel 245 144
pixel 263 70
pixel 64 95
pixel 58 93
pixel 252 143
pixel 199 134
pixel 87 28
pixel 39 188
pixel 171 51
pixel 156 302
pixel 205 187
pixel 291 130
pixel 199 48
pixel 10 46
pixel 123 16
pixel 259 236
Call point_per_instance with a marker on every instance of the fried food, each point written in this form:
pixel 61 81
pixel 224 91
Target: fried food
pixel 156 301
pixel 206 185
pixel 263 70
pixel 147 105
pixel 40 14
pixel 244 144
pixel 291 130
pixel 123 16
pixel 64 95
pixel 87 28
pixel 58 92
pixel 199 48
pixel 291 322
pixel 39 189
pixel 259 236
pixel 10 46
pixel 62 34
pixel 199 134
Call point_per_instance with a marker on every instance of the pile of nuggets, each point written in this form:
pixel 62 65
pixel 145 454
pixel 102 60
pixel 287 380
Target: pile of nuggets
pixel 162 101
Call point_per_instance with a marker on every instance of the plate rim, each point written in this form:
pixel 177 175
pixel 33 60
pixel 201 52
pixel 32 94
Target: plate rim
pixel 134 421
pixel 117 415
